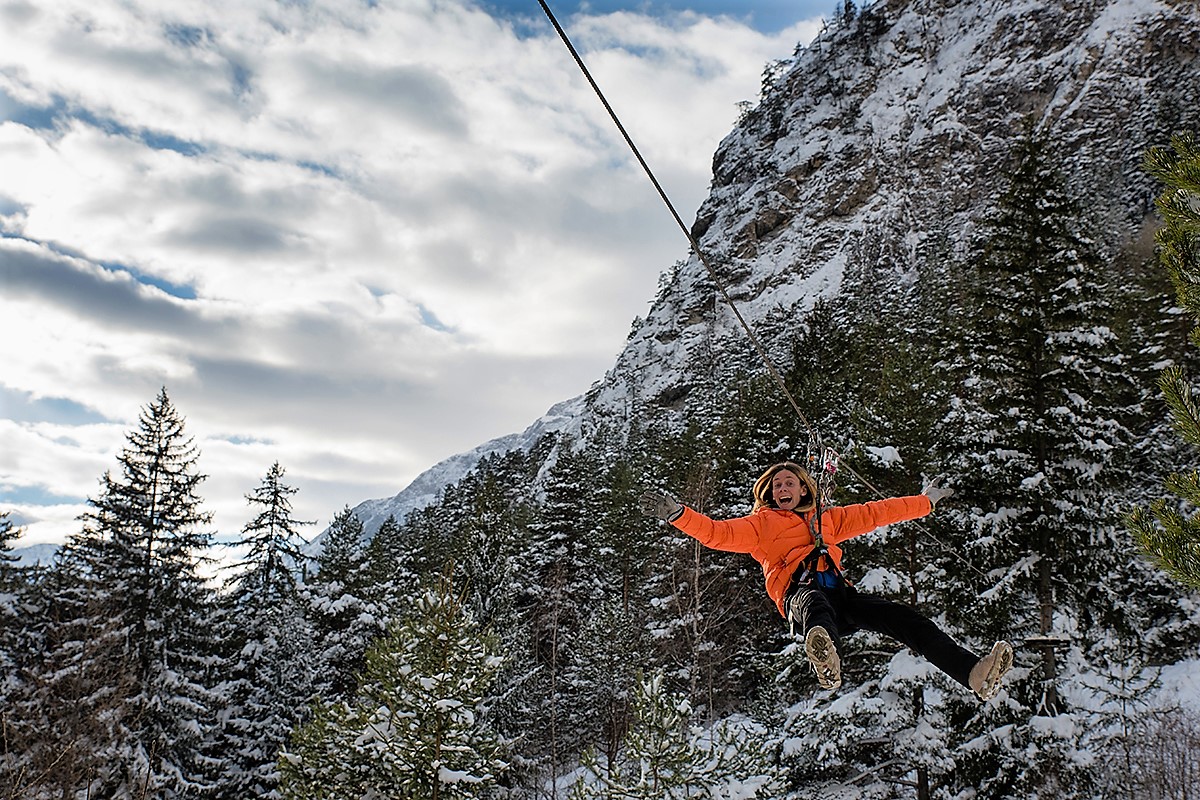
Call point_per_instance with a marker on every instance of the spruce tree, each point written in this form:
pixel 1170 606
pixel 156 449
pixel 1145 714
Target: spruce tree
pixel 267 674
pixel 493 538
pixel 132 649
pixel 612 647
pixel 55 732
pixel 626 551
pixel 8 562
pixel 667 757
pixel 13 579
pixel 1037 448
pixel 709 613
pixel 559 590
pixel 1168 531
pixel 14 684
pixel 491 561
pixel 340 608
pixel 385 556
pixel 274 557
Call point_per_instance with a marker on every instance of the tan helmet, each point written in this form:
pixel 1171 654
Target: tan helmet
pixel 762 487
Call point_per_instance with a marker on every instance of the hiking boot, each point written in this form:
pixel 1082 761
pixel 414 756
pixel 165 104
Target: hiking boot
pixel 987 673
pixel 823 656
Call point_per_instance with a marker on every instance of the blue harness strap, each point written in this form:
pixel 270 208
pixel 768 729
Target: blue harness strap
pixel 827 578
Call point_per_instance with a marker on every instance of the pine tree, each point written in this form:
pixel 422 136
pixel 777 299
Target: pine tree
pixel 14 685
pixel 491 558
pixel 626 544
pixel 612 646
pixel 341 556
pixel 418 723
pixel 272 540
pixel 12 581
pixel 385 556
pixel 1168 532
pixel 666 757
pixel 131 649
pixel 711 616
pixel 57 735
pixel 1037 442
pixel 494 537
pixel 9 570
pixel 340 609
pixel 613 640
pixel 876 733
pixel 268 669
pixel 559 590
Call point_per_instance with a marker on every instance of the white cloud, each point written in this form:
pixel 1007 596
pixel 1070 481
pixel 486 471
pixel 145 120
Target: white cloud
pixel 396 232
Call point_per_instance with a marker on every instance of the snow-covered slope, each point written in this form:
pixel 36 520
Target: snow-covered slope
pixel 880 141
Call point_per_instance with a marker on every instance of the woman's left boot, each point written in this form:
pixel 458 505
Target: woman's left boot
pixel 823 656
pixel 987 673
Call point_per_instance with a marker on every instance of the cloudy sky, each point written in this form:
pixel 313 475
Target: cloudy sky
pixel 352 236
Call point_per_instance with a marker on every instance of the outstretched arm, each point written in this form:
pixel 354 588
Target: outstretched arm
pixel 845 522
pixel 738 535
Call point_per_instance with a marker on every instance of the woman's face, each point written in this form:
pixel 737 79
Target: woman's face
pixel 787 490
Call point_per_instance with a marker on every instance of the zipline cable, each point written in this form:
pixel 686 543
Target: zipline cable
pixel 712 273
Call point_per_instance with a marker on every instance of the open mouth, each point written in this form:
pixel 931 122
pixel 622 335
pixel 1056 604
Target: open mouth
pixel 789 499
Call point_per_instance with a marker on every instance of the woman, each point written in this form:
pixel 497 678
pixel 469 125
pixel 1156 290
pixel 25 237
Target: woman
pixel 803 572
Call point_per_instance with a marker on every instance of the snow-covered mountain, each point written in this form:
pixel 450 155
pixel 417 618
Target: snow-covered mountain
pixel 877 143
pixel 35 554
pixel 888 135
pixel 562 417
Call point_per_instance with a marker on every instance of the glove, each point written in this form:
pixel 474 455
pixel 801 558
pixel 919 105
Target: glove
pixel 660 504
pixel 936 493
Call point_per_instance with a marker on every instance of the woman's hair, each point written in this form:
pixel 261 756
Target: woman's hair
pixel 762 487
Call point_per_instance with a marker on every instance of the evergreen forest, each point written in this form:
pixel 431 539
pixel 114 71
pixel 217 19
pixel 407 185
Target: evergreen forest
pixel 531 635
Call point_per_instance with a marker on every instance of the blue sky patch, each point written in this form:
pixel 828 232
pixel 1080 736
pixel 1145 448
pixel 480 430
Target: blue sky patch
pixel 430 320
pixel 245 440
pixel 181 291
pixel 36 117
pixel 165 141
pixel 35 496
pixel 48 117
pixel 21 406
pixel 765 16
pixel 323 169
pixel 187 35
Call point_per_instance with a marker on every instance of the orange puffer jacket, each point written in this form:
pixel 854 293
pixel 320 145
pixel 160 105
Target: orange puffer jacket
pixel 780 540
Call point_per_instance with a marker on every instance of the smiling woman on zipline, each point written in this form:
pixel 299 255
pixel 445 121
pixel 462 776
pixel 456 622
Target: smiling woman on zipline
pixel 796 542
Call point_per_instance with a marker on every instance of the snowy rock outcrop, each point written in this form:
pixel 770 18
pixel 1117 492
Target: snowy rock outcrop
pixel 889 134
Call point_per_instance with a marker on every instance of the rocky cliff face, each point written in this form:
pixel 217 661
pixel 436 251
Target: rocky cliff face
pixel 892 131
pixel 889 134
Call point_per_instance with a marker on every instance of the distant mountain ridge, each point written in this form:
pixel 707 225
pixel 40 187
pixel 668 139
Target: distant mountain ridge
pixel 883 140
pixel 562 417
pixel 35 554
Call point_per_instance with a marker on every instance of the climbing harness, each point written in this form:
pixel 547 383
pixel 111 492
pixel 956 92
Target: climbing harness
pixel 718 283
pixel 823 463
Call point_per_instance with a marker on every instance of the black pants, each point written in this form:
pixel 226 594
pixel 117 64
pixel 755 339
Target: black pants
pixel 841 611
